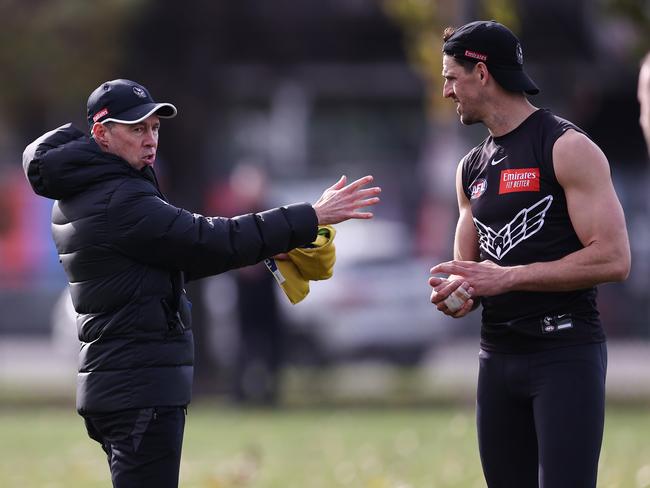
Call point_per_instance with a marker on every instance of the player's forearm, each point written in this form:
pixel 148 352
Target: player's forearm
pixel 595 264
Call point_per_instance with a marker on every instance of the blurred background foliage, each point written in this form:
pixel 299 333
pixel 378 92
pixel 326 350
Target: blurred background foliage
pixel 306 91
pixel 423 21
pixel 54 50
pixel 638 13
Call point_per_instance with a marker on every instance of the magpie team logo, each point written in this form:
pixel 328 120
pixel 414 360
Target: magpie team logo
pixel 139 92
pixel 525 224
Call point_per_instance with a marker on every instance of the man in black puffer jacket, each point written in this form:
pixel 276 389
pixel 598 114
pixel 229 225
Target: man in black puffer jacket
pixel 127 253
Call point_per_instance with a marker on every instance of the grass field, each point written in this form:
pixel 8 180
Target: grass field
pixel 303 448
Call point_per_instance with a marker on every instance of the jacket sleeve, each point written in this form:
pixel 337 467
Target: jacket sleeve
pixel 148 229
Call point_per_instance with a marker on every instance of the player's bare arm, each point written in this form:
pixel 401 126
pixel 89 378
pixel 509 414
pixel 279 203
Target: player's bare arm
pixel 597 217
pixel 465 248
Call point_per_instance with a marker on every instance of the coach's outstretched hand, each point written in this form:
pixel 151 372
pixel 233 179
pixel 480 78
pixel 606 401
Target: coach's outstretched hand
pixel 339 202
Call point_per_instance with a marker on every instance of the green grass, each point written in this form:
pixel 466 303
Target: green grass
pixel 304 448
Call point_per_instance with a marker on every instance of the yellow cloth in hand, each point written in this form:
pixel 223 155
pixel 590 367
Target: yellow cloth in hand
pixel 312 262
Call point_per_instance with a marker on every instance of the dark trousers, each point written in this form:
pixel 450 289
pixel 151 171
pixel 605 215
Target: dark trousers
pixel 143 446
pixel 540 417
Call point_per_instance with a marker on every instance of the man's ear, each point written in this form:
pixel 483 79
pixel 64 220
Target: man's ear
pixel 99 132
pixel 483 72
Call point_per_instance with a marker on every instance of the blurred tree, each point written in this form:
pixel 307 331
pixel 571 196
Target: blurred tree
pixel 175 49
pixel 637 12
pixel 184 52
pixel 53 51
pixel 423 22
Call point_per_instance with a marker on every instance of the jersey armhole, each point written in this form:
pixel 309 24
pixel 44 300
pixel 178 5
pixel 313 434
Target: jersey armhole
pixel 464 176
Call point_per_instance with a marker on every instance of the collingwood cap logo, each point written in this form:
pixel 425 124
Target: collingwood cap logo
pixel 139 92
pixel 519 53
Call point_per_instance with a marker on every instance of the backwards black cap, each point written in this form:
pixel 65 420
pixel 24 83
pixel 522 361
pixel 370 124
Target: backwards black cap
pixel 496 46
pixel 126 102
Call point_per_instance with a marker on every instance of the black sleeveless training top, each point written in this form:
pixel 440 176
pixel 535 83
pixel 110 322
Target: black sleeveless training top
pixel 521 216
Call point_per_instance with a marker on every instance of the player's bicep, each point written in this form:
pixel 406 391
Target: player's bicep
pixel 466 239
pixel 583 172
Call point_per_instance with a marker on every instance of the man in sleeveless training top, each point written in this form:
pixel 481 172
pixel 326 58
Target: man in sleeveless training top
pixel 540 226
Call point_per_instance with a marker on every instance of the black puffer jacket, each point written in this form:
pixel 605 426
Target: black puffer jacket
pixel 126 252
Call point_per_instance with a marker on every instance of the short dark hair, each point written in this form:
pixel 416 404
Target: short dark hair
pixel 467 64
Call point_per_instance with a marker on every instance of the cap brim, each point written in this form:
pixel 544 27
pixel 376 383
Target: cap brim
pixel 514 80
pixel 141 112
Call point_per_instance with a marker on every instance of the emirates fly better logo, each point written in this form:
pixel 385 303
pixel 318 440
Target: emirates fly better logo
pixel 522 179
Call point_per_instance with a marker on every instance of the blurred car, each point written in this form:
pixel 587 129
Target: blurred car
pixel 376 306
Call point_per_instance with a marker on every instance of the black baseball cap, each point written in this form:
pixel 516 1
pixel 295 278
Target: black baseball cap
pixel 496 46
pixel 126 102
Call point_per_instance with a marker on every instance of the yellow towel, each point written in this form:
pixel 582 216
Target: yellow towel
pixel 312 262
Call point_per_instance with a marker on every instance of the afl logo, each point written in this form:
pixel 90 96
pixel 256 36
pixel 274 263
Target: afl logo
pixel 139 92
pixel 478 188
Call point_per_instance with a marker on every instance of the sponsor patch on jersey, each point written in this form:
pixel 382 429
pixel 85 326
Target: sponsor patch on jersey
pixel 478 188
pixel 521 179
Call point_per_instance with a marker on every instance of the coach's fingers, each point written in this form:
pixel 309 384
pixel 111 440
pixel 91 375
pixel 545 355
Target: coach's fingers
pixel 361 215
pixel 356 185
pixel 339 184
pixel 368 202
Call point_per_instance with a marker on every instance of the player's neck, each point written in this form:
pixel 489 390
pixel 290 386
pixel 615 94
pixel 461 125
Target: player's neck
pixel 507 113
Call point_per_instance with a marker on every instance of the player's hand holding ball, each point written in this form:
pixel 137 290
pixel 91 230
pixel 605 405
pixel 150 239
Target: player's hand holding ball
pixel 451 295
pixel 457 299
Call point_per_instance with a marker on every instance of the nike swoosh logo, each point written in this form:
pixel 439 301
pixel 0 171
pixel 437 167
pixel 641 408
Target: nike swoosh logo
pixel 497 161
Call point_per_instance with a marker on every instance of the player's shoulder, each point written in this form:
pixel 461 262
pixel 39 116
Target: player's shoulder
pixel 573 142
pixel 558 127
pixel 573 154
pixel 474 154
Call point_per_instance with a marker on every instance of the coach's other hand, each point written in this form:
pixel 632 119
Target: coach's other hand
pixel 339 202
